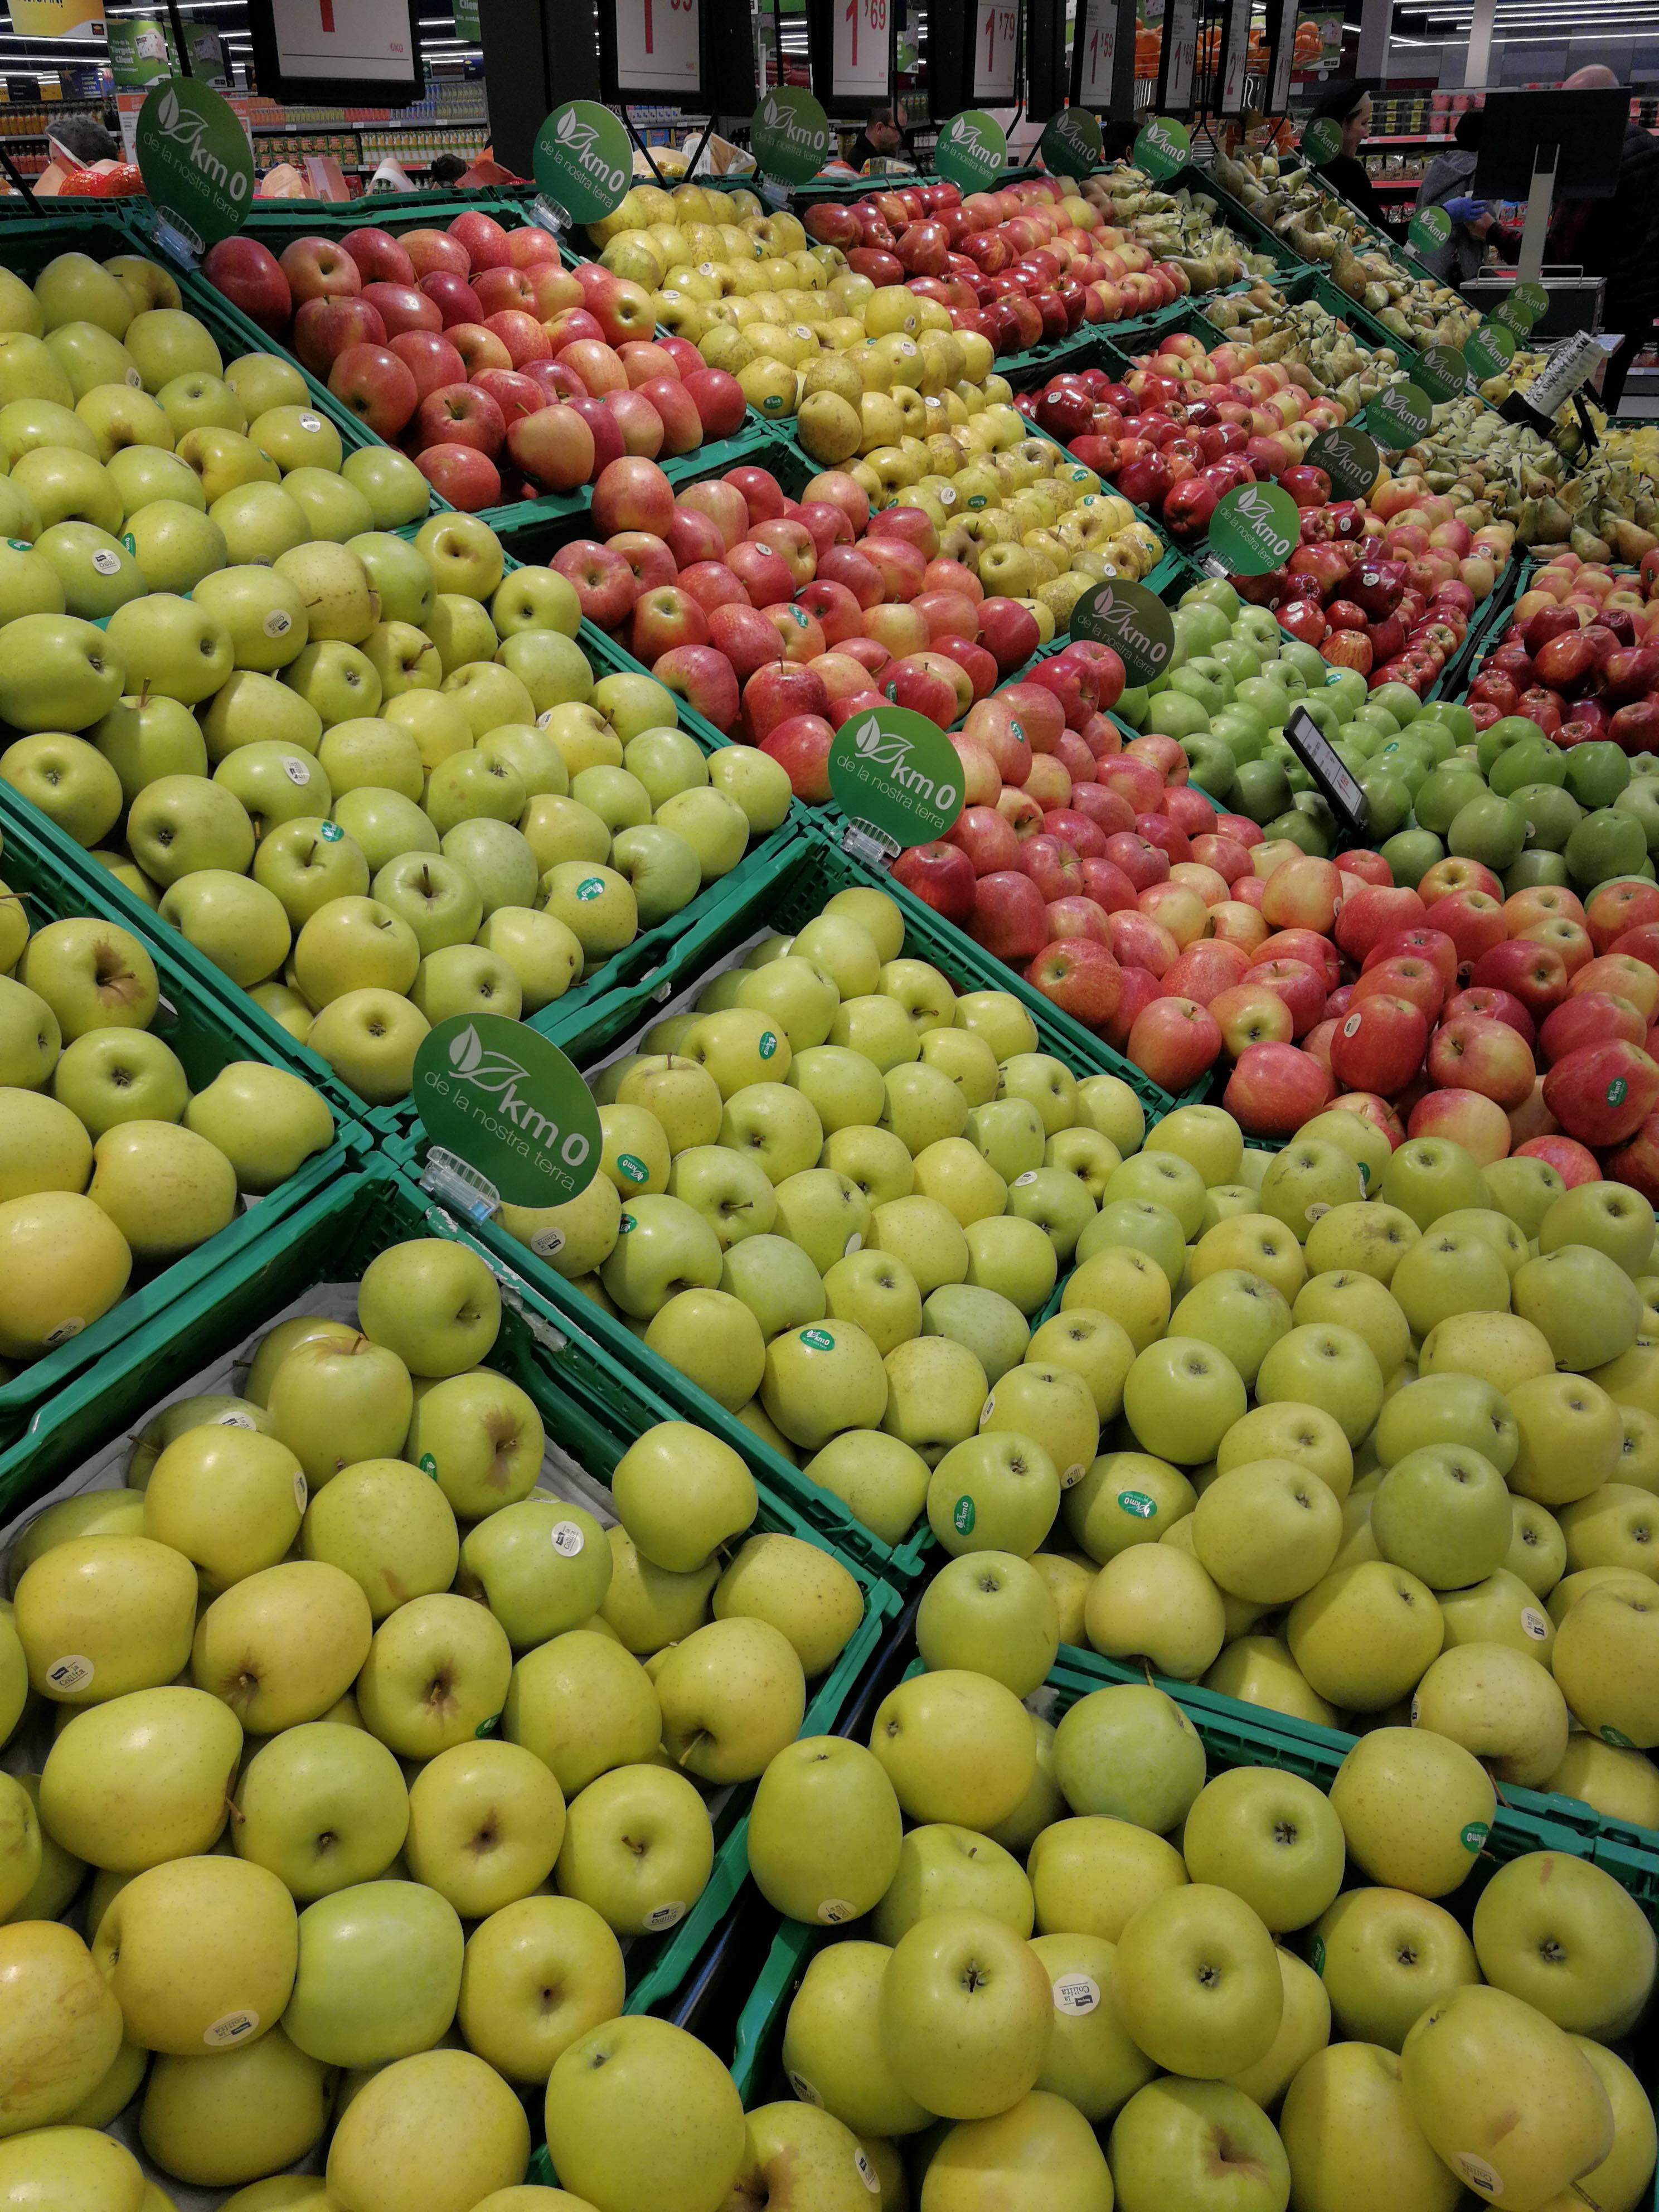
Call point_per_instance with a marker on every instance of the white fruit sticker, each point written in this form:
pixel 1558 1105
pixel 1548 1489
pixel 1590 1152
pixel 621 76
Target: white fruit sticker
pixel 302 1495
pixel 1351 1025
pixel 568 1539
pixel 277 623
pixel 1476 2172
pixel 311 422
pixel 236 1421
pixel 548 1243
pixel 665 1916
pixel 295 770
pixel 853 1243
pixel 1020 1181
pixel 71 1325
pixel 135 378
pixel 806 2091
pixel 72 1672
pixel 1317 1211
pixel 835 1910
pixel 235 2027
pixel 1534 1623
pixel 1415 1706
pixel 867 2173
pixel 1076 1994
pixel 106 562
pixel 1074 1475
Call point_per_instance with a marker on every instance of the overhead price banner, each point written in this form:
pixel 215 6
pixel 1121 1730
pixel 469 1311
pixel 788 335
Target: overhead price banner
pixel 499 1097
pixel 196 161
pixel 861 50
pixel 898 771
pixel 582 160
pixel 1179 59
pixel 972 150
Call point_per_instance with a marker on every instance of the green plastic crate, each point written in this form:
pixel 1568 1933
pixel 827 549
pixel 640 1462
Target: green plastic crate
pixel 591 1410
pixel 1523 1823
pixel 207 1036
pixel 98 892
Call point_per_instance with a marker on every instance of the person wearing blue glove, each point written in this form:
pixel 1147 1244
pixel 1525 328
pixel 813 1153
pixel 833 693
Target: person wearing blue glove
pixel 1446 184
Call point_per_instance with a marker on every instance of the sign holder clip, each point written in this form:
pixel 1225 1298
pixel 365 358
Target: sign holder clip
pixel 866 843
pixel 550 217
pixel 462 1189
pixel 172 240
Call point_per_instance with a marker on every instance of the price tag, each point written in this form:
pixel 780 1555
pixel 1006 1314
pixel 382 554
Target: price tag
pixel 1133 621
pixel 1490 348
pixel 972 150
pixel 1180 53
pixel 657 45
pixel 1163 147
pixel 790 135
pixel 1342 794
pixel 582 160
pixel 1254 527
pixel 996 26
pixel 898 771
pixel 1238 58
pixel 1322 139
pixel 1400 416
pixel 1429 229
pixel 861 50
pixel 1441 372
pixel 1071 144
pixel 195 160
pixel 510 1105
pixel 1348 457
pixel 1096 35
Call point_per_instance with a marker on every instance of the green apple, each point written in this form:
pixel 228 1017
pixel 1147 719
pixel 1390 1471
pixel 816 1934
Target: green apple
pixel 1225 2010
pixel 383 824
pixel 994 1611
pixel 541 1565
pixel 528 750
pixel 120 1606
pixel 551 669
pixel 483 1436
pixel 732 1694
pixel 397 493
pixel 260 380
pixel 92 1799
pixel 921 1103
pixel 461 629
pixel 756 783
pixel 385 2143
pixel 1415 1808
pixel 998 1491
pixel 637 1848
pixel 846 1090
pixel 379 1974
pixel 515 1955
pixel 1327 1367
pixel 60 674
pixel 174 647
pixel 438 1638
pixel 403 659
pixel 110 1076
pixel 948 1869
pixel 1443 1513
pixel 878 1293
pixel 486 1821
pixel 464 979
pixel 965 1060
pixel 1448 1409
pixel 144 739
pixel 324 1808
pixel 639 2110
pixel 535 598
pixel 1584 1303
pixel 1609 1217
pixel 259 521
pixel 276 784
pixel 1499 1703
pixel 1364 1635
pixel 250 707
pixel 92 975
pixel 307 869
pixel 69 781
pixel 334 509
pixel 1427 1177
pixel 990 1326
pixel 1568 1438
pixel 364 752
pixel 147 1933
pixel 29 585
pixel 387 1526
pixel 1537 1556
pixel 661 869
pixel 832 2053
pixel 302 1630
pixel 1271 1838
pixel 218 1466
pixel 1234 1312
pixel 1008 1132
pixel 30 1039
pixel 1590 1969
pixel 1267 1531
pixel 995 2050
pixel 800 997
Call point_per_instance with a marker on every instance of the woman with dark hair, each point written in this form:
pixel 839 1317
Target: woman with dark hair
pixel 1348 105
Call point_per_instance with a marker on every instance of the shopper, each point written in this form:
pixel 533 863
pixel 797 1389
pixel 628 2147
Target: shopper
pixel 880 144
pixel 1445 184
pixel 84 137
pixel 1349 104
pixel 446 170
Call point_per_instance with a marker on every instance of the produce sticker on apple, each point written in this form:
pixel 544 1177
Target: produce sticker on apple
pixel 1255 527
pixel 507 1102
pixel 1133 621
pixel 582 161
pixel 898 772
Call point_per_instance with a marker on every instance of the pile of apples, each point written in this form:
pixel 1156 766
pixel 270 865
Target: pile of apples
pixel 1025 266
pixel 776 619
pixel 1031 2003
pixel 338 1734
pixel 108 1164
pixel 1574 657
pixel 478 351
pixel 374 782
pixel 846 1192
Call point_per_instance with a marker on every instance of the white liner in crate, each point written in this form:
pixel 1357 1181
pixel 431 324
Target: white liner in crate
pixel 562 1477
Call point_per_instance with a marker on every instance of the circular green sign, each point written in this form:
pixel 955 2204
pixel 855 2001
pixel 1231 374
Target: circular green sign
pixel 1348 457
pixel 1532 296
pixel 196 161
pixel 582 160
pixel 499 1096
pixel 1429 230
pixel 896 770
pixel 1163 147
pixel 1515 314
pixel 1488 350
pixel 1254 528
pixel 1400 416
pixel 1071 144
pixel 790 135
pixel 972 149
pixel 1133 621
pixel 1322 139
pixel 1441 372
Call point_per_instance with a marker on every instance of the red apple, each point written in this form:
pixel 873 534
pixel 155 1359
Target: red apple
pixel 467 478
pixel 252 279
pixel 378 389
pixel 633 494
pixel 776 692
pixel 942 876
pixel 1274 1089
pixel 553 447
pixel 1601 1094
pixel 703 678
pixel 405 307
pixel 326 326
pixel 319 269
pixel 1008 917
pixel 800 745
pixel 460 415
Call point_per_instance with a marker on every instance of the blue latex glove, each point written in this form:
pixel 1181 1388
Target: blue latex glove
pixel 1465 210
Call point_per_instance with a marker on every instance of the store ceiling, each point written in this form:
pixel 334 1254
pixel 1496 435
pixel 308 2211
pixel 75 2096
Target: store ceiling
pixel 84 46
